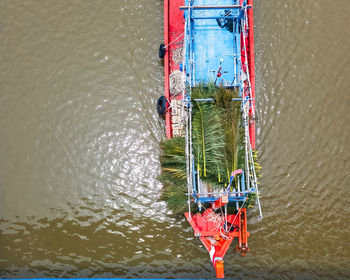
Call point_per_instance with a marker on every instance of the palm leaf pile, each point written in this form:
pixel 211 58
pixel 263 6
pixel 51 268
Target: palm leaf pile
pixel 208 136
pixel 218 145
pixel 173 176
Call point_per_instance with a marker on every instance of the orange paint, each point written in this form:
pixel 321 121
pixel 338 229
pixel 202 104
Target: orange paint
pixel 219 267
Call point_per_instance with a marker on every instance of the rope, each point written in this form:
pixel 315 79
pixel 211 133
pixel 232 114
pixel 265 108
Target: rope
pixel 172 42
pixel 224 236
pixel 236 215
pixel 219 221
pixel 250 155
pixel 214 218
pixel 177 82
pixel 178 54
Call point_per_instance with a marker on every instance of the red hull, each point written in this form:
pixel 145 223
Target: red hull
pixel 251 65
pixel 173 28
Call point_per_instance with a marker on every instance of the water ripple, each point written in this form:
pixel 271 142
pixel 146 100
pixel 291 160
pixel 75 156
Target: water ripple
pixel 79 152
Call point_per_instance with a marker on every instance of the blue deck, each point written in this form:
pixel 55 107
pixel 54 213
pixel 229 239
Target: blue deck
pixel 213 46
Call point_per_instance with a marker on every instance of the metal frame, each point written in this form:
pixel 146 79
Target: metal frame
pixel 215 7
pixel 249 180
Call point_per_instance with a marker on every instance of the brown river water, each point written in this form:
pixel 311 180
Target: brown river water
pixel 79 144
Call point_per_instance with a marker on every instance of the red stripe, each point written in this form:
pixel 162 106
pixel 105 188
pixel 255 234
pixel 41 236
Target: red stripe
pixel 166 67
pixel 251 68
pixel 173 27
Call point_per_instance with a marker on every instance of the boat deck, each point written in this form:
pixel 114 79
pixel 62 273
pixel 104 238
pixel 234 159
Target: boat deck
pixel 215 45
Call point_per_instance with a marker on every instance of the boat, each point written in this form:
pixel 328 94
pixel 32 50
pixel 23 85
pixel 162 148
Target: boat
pixel 208 49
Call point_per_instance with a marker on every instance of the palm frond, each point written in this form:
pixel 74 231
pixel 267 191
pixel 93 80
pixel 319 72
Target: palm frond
pixel 173 176
pixel 231 119
pixel 208 134
pixel 218 145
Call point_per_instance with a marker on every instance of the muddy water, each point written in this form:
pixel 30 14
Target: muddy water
pixel 79 144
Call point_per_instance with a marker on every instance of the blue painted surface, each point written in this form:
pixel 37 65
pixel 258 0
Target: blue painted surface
pixel 213 199
pixel 212 46
pixel 242 182
pixel 194 177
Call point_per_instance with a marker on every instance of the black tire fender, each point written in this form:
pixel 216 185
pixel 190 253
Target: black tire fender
pixel 161 105
pixel 162 51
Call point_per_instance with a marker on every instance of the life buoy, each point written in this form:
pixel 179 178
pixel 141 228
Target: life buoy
pixel 162 105
pixel 162 51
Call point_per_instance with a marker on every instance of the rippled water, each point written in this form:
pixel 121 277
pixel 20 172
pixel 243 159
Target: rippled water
pixel 79 144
